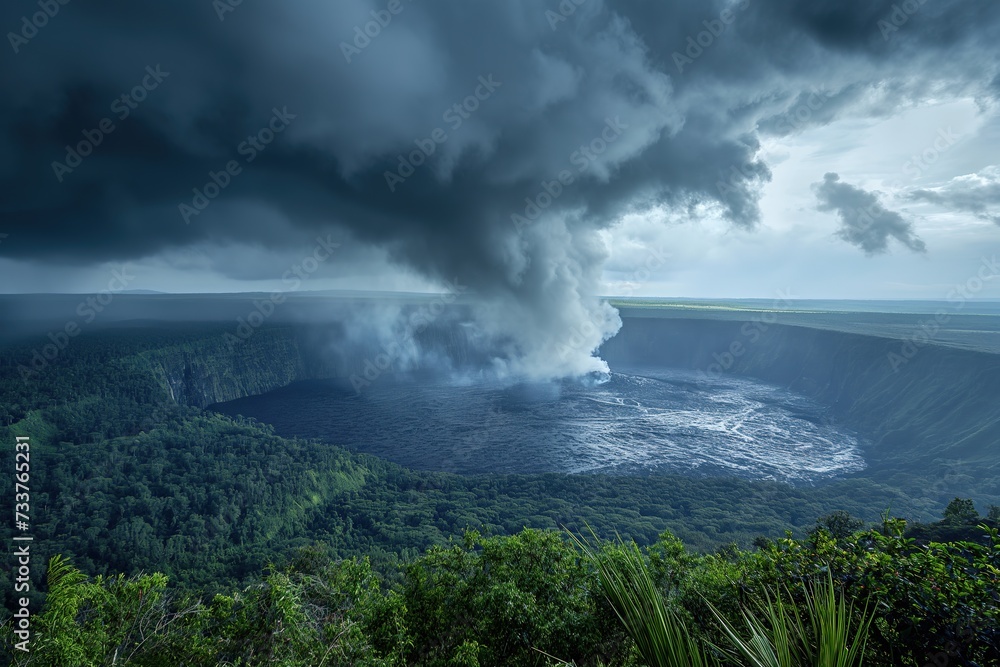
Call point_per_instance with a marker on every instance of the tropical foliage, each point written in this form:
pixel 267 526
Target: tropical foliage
pixel 177 536
pixel 874 597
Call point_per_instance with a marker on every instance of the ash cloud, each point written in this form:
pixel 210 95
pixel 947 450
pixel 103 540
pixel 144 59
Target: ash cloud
pixel 865 223
pixel 557 87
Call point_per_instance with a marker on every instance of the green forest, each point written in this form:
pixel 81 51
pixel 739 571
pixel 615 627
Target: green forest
pixel 539 597
pixel 166 534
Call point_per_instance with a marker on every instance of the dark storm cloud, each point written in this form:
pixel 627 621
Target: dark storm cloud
pixel 352 119
pixel 864 221
pixel 774 51
pixel 978 194
pixel 556 89
pixel 535 96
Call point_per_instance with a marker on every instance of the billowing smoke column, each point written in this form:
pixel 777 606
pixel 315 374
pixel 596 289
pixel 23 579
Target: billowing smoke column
pixel 483 145
pixel 548 312
pixel 469 141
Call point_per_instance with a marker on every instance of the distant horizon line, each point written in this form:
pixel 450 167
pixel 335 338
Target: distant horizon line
pixel 609 297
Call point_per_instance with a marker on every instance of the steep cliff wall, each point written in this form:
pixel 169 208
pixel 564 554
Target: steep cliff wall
pixel 940 405
pixel 213 369
pixel 218 366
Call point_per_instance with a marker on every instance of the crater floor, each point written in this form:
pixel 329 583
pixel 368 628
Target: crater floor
pixel 640 421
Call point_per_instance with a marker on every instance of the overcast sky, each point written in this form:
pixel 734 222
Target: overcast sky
pixel 830 149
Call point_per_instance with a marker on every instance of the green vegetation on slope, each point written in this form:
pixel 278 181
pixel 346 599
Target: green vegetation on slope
pixel 535 597
pixel 126 479
pixel 209 500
